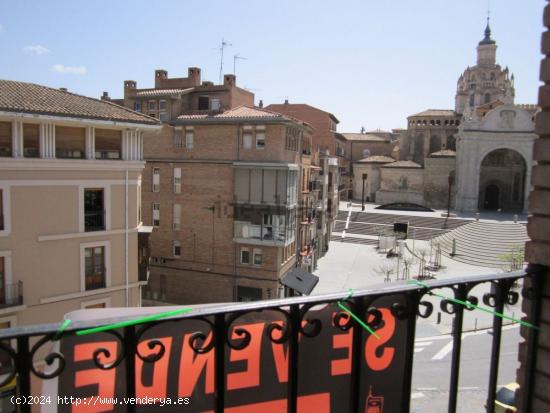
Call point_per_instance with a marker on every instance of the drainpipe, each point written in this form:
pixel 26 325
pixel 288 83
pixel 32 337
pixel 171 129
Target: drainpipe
pixel 126 240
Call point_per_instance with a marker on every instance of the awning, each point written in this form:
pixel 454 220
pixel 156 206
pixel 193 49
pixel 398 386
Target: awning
pixel 300 280
pixel 145 229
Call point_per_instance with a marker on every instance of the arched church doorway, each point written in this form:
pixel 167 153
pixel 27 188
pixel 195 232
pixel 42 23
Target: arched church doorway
pixel 502 181
pixel 492 194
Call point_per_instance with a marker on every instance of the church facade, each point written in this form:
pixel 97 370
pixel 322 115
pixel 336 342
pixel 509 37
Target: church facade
pixel 478 155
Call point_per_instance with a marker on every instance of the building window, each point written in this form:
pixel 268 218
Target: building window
pixel 215 104
pixel 245 256
pixel 176 248
pixel 137 105
pixel 472 99
pixel 487 97
pixel 108 144
pixel 257 257
pixel 260 140
pixel 152 105
pixel 177 180
pixel 93 304
pixel 189 138
pixel 204 103
pixel 162 105
pixel 176 217
pixel 178 138
pixel 95 271
pixel 163 117
pixel 247 140
pixel 31 140
pixel 248 293
pixel 70 142
pixel 5 139
pixel 156 214
pixel 156 179
pixel 293 136
pixel 94 210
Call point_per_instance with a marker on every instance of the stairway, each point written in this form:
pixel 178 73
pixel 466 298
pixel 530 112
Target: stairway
pixel 482 243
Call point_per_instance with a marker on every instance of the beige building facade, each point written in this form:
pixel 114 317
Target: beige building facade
pixel 70 179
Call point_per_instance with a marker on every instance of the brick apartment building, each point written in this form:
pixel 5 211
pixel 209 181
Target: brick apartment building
pixel 325 147
pixel 232 192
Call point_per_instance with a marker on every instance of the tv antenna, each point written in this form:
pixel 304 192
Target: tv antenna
pixel 223 45
pixel 235 58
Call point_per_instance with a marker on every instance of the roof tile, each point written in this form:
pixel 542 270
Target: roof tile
pixel 33 98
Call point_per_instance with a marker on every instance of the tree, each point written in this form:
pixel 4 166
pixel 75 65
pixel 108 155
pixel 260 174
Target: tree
pixel 386 269
pixel 514 259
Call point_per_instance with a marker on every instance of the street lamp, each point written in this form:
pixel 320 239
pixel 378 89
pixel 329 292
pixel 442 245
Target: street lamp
pixel 363 193
pixel 451 181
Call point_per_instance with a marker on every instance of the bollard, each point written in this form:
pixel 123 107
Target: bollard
pixel 475 325
pixel 515 218
pixel 453 251
pixel 477 216
pixel 439 317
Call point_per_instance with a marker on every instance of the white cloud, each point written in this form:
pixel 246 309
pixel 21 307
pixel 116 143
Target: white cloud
pixel 75 70
pixel 36 49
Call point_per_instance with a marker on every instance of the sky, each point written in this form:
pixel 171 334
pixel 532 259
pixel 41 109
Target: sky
pixel 370 63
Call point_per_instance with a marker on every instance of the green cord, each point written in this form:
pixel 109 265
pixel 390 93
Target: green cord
pixel 469 305
pixel 365 326
pixel 133 322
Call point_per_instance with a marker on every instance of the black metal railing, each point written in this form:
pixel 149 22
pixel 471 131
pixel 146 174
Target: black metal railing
pixel 94 221
pixel 13 295
pixel 297 326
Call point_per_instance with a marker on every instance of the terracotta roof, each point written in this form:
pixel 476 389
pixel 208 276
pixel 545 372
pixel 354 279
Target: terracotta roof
pixel 242 113
pixel 445 153
pixel 163 92
pixel 437 112
pixel 377 159
pixel 365 137
pixel 294 109
pixel 32 98
pixel 403 164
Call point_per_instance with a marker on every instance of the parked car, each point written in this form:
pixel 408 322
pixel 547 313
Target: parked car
pixel 505 401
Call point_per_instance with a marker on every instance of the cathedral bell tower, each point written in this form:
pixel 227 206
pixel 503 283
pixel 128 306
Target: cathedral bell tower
pixel 487 49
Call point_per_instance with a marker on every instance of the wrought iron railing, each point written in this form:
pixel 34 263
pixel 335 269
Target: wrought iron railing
pixel 13 295
pixel 94 221
pixel 296 325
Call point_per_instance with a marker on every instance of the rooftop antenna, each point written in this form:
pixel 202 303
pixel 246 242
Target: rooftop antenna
pixel 223 45
pixel 235 58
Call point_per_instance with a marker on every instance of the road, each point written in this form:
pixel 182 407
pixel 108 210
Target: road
pixel 432 366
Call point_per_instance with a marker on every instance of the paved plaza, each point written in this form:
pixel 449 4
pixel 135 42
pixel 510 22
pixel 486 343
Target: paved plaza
pixel 358 265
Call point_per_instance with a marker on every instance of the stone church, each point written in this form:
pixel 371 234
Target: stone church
pixel 481 150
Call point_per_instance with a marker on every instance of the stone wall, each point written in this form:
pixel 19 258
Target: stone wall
pixel 538 250
pixel 401 185
pixel 436 181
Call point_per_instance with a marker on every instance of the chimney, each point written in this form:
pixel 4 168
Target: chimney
pixel 229 80
pixel 261 104
pixel 160 75
pixel 194 76
pixel 63 89
pixel 129 88
pixel 105 96
pixel 286 101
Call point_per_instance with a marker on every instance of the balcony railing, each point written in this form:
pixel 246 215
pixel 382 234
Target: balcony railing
pixel 95 281
pixel 13 295
pixel 294 329
pixel 94 221
pixel 246 230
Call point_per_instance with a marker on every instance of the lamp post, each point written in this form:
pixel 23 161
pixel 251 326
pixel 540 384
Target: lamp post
pixel 363 193
pixel 451 181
